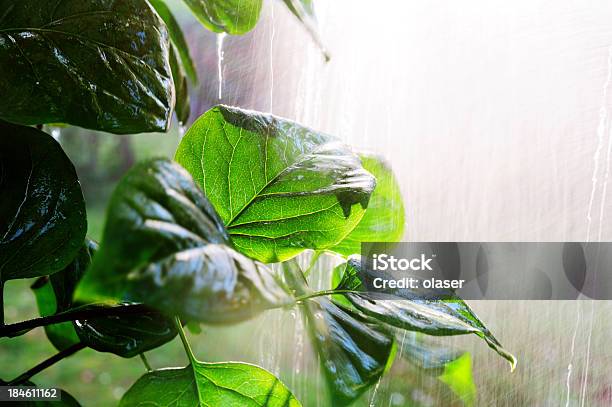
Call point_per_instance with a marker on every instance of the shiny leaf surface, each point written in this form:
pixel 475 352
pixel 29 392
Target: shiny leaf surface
pixel 164 245
pixel 231 16
pixel 354 350
pixel 118 331
pixel 42 211
pixel 383 221
pixel 227 384
pixel 99 64
pixel 279 187
pixel 415 310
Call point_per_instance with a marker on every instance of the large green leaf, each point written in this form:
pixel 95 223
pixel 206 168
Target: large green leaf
pixel 354 350
pixel 177 37
pixel 279 187
pixel 416 309
pixel 458 377
pixel 42 211
pixel 384 218
pixel 118 331
pixel 99 64
pixel 231 16
pixel 164 245
pixel 227 384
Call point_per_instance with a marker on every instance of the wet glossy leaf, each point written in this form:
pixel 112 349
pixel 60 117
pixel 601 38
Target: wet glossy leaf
pixel 182 106
pixel 231 16
pixel 176 37
pixel 383 221
pixel 164 245
pixel 415 310
pixel 120 331
pixel 227 384
pixel 99 64
pixel 304 11
pixel 126 334
pixel 42 211
pixel 354 350
pixel 279 187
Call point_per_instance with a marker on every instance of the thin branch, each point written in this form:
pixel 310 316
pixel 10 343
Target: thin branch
pixel 146 362
pixel 47 363
pixel 186 345
pixel 18 328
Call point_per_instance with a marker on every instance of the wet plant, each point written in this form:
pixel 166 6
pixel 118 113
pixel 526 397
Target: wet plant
pixel 191 240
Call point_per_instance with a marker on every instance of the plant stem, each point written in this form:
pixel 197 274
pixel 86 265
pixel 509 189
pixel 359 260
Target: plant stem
pixel 312 263
pixel 70 315
pixel 47 363
pixel 146 362
pixel 186 345
pixel 301 298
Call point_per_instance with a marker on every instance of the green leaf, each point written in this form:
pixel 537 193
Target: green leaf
pixel 176 37
pixel 182 105
pixel 126 334
pixel 164 245
pixel 415 310
pixel 42 211
pixel 99 64
pixel 354 350
pixel 304 11
pixel 231 16
pixel 120 332
pixel 227 384
pixel 458 376
pixel 279 187
pixel 384 219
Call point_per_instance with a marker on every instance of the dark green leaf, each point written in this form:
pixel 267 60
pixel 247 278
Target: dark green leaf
pixel 231 16
pixel 415 310
pixel 227 384
pixel 126 334
pixel 164 245
pixel 177 37
pixel 120 332
pixel 279 187
pixel 182 105
pixel 99 64
pixel 42 211
pixel 354 350
pixel 384 218
pixel 304 11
